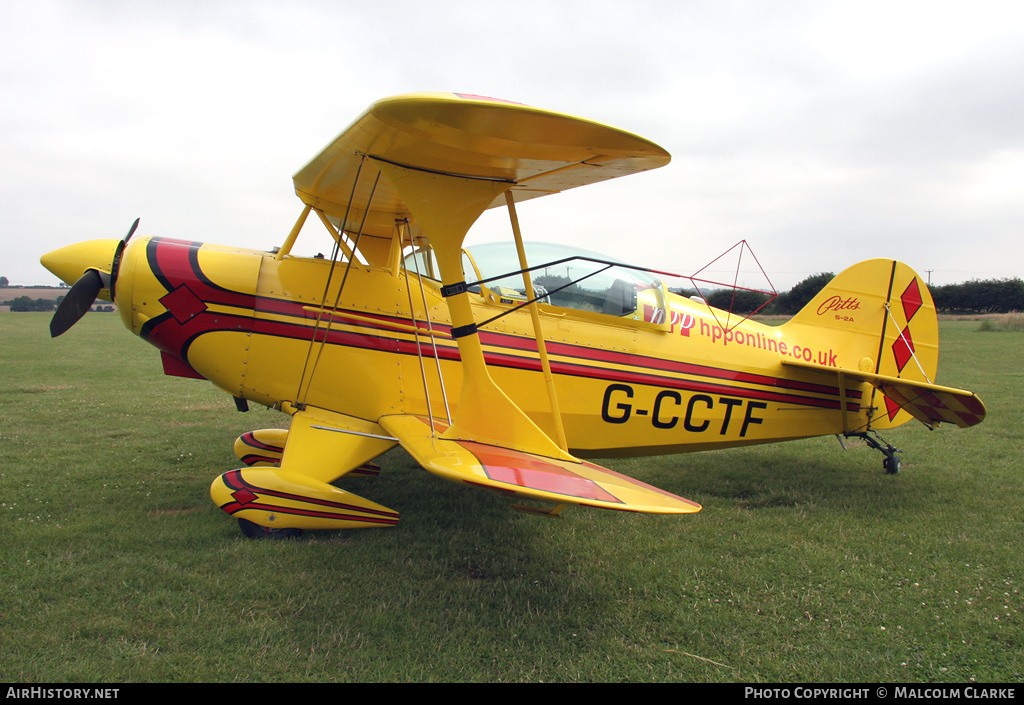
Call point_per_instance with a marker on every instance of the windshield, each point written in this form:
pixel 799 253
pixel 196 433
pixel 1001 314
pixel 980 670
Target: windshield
pixel 564 276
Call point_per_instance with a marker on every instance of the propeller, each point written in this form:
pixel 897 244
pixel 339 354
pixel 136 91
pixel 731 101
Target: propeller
pixel 77 301
pixel 83 292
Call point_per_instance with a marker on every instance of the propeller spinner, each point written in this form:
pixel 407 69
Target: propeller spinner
pixel 82 257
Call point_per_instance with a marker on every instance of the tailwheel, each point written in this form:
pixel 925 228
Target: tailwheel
pixel 891 462
pixel 252 530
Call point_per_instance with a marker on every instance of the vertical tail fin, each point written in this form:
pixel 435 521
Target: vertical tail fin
pixel 878 317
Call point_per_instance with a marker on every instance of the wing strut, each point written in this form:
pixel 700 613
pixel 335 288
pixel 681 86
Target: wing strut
pixel 403 227
pixel 538 334
pixel 351 258
pixel 290 240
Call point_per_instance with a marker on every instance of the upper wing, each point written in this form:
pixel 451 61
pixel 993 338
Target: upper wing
pixel 931 404
pixel 527 475
pixel 539 151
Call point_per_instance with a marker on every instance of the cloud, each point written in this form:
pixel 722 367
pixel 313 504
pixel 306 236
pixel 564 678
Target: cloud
pixel 823 133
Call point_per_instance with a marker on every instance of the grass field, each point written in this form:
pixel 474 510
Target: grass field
pixel 808 563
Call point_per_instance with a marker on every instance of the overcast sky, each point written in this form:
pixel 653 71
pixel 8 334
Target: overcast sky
pixel 822 133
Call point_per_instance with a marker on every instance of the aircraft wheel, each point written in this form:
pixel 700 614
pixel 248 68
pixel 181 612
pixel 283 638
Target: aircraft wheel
pixel 891 463
pixel 255 531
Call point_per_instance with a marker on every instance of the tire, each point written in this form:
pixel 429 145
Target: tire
pixel 252 530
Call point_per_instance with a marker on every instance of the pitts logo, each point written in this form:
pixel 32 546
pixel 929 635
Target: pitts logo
pixel 838 303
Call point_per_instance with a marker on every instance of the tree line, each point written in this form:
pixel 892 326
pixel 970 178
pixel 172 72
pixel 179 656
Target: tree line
pixel 980 296
pixel 976 296
pixel 24 304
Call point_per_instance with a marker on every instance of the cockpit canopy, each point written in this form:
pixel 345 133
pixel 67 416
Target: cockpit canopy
pixel 563 276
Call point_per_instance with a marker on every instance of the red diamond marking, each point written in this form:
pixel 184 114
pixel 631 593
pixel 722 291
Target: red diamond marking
pixel 903 349
pixel 892 408
pixel 911 299
pixel 243 496
pixel 182 304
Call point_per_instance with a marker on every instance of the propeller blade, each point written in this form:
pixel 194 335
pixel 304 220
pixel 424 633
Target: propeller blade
pixel 78 300
pixel 132 231
pixel 115 266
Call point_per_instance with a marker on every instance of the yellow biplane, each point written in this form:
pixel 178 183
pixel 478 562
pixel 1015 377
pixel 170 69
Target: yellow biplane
pixel 488 373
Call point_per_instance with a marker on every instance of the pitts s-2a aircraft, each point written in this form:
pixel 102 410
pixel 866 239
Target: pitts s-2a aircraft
pixel 485 373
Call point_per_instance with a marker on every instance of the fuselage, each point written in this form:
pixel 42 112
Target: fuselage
pixel 670 376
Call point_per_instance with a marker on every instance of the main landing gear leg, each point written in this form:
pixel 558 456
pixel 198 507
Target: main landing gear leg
pixel 891 461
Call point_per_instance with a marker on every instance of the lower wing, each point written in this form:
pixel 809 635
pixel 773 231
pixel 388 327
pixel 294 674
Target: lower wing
pixel 525 475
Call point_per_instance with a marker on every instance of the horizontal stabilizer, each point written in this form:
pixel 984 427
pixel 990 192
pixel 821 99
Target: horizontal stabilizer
pixel 931 404
pixel 528 476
